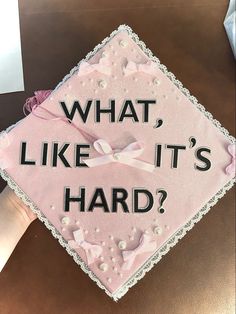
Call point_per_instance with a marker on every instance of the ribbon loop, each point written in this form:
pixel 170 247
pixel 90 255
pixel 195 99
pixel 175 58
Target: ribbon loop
pixel 102 146
pixel 145 245
pixel 125 156
pixel 92 251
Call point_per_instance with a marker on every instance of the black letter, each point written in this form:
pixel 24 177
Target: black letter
pixel 79 199
pixel 121 200
pixel 146 108
pixel 203 159
pixel 60 155
pixel 78 162
pixel 76 106
pixel 175 154
pixel 103 203
pixel 158 155
pixel 23 153
pixel 132 114
pixel 149 203
pixel 45 154
pixel 110 110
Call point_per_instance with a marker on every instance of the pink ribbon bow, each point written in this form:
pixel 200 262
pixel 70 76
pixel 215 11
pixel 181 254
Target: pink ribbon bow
pixel 103 66
pixel 149 68
pixel 92 251
pixel 231 168
pixel 125 156
pixel 145 245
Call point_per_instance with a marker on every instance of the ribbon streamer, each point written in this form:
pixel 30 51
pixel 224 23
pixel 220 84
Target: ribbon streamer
pixel 92 251
pixel 149 68
pixel 231 168
pixel 33 103
pixel 145 245
pixel 125 156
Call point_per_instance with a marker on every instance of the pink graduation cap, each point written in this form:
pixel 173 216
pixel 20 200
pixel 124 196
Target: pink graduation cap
pixel 119 161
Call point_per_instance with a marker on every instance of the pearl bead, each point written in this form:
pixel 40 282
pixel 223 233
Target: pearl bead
pixel 105 54
pixel 103 267
pixel 123 43
pixel 102 84
pixel 111 249
pixel 167 227
pixel 122 245
pixel 102 258
pixel 63 229
pixel 77 222
pixel 134 229
pixel 156 82
pixel 120 274
pixel 97 229
pixel 86 231
pixel 157 230
pixel 131 238
pixel 116 156
pixel 103 243
pixel 52 207
pixel 65 220
pixel 109 280
pixel 111 237
pixel 115 269
pixel 113 259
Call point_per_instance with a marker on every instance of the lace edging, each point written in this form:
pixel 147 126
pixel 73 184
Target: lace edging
pixel 173 240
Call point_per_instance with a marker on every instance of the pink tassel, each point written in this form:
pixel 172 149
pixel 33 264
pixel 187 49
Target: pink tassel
pixel 34 101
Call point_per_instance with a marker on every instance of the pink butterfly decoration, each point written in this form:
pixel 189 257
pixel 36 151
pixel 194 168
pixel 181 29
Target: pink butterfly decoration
pixel 231 168
pixel 149 67
pixel 103 66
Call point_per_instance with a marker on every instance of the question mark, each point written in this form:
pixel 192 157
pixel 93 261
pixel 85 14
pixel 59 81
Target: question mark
pixel 162 200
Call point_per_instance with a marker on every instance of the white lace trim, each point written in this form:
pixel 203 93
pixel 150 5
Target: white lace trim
pixel 155 258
